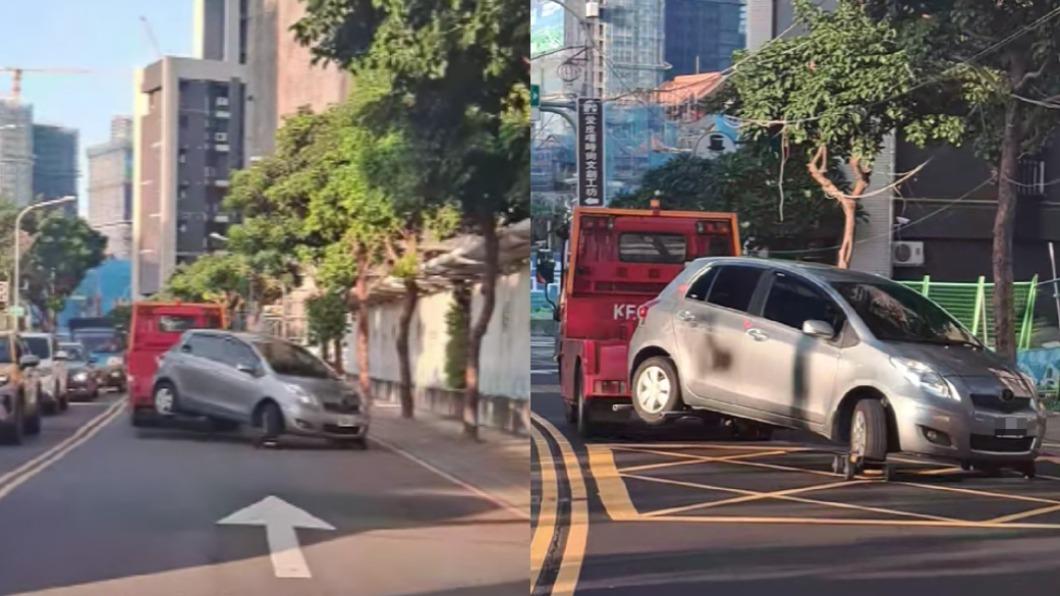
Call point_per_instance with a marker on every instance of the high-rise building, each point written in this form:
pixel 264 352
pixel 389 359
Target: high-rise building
pixel 189 135
pixel 55 164
pixel 701 35
pixel 110 188
pixel 16 152
pixel 632 40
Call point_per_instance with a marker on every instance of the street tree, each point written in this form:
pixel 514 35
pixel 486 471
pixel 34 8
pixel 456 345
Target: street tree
pixel 835 93
pixel 221 278
pixel 1005 56
pixel 326 314
pixel 458 78
pixel 742 182
pixel 63 250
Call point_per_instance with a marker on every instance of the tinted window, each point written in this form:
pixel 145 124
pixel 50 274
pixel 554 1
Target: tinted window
pixel 6 357
pixel 897 313
pixel 700 287
pixel 207 346
pixel 175 323
pixel 652 248
pixel 237 352
pixel 74 353
pixel 39 347
pixel 734 287
pixel 102 342
pixel 289 359
pixel 792 302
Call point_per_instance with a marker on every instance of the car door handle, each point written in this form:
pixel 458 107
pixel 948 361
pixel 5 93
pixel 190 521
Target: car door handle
pixel 757 334
pixel 686 316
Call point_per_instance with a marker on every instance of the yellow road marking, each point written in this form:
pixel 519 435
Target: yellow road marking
pixel 707 459
pixel 729 446
pixel 546 518
pixel 793 498
pixel 609 484
pixel 839 521
pixel 938 471
pixel 753 496
pixel 669 464
pixel 1025 514
pixel 984 493
pixel 578 530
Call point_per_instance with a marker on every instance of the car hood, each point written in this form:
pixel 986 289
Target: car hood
pixel 952 361
pixel 329 390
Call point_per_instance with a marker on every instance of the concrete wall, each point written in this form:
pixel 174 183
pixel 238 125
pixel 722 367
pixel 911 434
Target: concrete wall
pixel 298 82
pixel 505 364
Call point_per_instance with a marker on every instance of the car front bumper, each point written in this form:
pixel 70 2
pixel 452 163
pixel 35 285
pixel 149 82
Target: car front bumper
pixel 301 420
pixel 963 432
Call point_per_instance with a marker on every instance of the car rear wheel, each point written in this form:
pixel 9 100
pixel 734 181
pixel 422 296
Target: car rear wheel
pixel 868 431
pixel 11 433
pixel 656 390
pixel 587 427
pixel 165 398
pixel 270 424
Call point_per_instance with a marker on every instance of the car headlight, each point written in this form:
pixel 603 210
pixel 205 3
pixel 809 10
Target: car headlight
pixel 303 396
pixel 80 377
pixel 925 377
pixel 114 361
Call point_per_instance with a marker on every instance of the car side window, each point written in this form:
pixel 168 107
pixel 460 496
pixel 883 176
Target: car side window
pixel 793 301
pixel 699 288
pixel 204 346
pixel 735 286
pixel 237 352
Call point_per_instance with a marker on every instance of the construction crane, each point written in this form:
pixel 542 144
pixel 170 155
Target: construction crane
pixel 151 36
pixel 16 76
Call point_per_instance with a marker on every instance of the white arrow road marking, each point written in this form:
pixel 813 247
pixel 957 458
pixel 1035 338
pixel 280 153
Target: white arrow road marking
pixel 280 518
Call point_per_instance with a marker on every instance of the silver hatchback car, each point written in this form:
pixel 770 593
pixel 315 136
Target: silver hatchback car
pixel 851 356
pixel 269 384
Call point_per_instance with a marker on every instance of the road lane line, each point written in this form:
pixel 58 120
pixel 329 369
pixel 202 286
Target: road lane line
pixel 835 504
pixel 545 529
pixel 17 477
pixel 578 531
pixel 516 511
pixel 840 521
pixel 661 445
pixel 754 496
pixel 984 493
pixel 609 485
pixel 670 464
pixel 708 459
pixel 1025 514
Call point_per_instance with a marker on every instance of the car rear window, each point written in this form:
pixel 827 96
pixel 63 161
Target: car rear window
pixel 641 247
pixel 39 347
pixel 6 357
pixel 734 287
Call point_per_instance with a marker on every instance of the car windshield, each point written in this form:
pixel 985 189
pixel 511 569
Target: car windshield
pixel 74 353
pixel 5 350
pixel 289 359
pixel 894 312
pixel 105 343
pixel 39 347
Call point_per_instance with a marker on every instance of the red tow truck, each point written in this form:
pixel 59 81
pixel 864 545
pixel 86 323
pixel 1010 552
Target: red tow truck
pixel 617 260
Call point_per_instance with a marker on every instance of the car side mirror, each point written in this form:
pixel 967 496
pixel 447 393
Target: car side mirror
pixel 28 361
pixel 818 329
pixel 62 355
pixel 186 348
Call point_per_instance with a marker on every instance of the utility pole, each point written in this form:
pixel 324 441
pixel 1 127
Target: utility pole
pixel 16 290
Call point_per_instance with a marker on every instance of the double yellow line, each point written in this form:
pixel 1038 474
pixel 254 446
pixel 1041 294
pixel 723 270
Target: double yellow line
pixel 547 531
pixel 17 477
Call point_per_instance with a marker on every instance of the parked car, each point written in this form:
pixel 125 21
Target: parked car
pixel 854 357
pixel 20 405
pixel 272 385
pixel 155 328
pixel 52 369
pixel 82 380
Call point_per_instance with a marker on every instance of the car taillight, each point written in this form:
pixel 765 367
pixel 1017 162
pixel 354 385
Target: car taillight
pixel 642 310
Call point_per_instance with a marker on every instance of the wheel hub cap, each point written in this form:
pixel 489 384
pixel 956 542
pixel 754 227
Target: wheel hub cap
pixel 653 389
pixel 164 401
pixel 858 434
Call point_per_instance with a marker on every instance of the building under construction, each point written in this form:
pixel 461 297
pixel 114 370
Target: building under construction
pixel 16 152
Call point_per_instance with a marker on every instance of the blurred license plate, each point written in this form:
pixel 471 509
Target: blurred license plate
pixel 347 421
pixel 1011 426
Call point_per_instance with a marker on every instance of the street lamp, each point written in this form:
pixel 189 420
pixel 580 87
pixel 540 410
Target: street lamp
pixel 16 290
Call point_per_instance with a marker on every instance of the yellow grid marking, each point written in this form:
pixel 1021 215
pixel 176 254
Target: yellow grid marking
pixel 752 496
pixel 709 459
pixel 789 498
pixel 699 459
pixel 983 493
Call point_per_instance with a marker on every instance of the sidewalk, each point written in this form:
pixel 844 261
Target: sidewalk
pixel 497 467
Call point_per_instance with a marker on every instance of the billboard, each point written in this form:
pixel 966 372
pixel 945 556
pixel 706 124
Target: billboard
pixel 546 27
pixel 590 152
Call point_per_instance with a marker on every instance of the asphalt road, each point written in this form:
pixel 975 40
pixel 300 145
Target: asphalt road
pixel 94 506
pixel 686 510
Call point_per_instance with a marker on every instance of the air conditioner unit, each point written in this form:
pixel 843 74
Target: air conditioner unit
pixel 592 9
pixel 907 254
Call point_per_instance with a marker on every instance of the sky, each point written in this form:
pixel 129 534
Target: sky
pixel 104 36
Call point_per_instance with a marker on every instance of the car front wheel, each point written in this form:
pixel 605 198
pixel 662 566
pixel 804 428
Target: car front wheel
pixel 868 431
pixel 270 424
pixel 656 390
pixel 165 399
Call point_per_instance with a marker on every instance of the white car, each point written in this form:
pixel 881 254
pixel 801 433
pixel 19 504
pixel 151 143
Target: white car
pixel 52 369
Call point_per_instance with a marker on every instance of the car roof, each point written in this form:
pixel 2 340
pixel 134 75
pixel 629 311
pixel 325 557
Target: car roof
pixel 243 335
pixel 35 334
pixel 819 271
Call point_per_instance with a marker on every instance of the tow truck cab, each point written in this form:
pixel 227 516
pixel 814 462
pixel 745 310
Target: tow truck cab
pixel 617 260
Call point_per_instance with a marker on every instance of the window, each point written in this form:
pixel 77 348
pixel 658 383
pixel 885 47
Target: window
pixel 176 323
pixel 39 347
pixel 701 285
pixel 734 287
pixel 289 359
pixel 237 352
pixel 221 101
pixel 792 302
pixel 5 350
pixel 209 347
pixel 894 312
pixel 220 137
pixel 652 248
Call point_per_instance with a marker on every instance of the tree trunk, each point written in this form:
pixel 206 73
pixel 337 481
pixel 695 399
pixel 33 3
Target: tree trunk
pixel 325 353
pixel 488 228
pixel 818 168
pixel 1004 222
pixel 340 360
pixel 846 246
pixel 364 379
pixel 412 294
